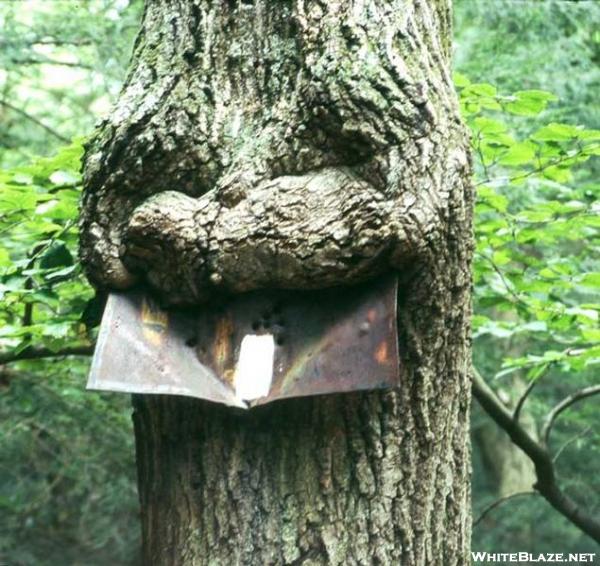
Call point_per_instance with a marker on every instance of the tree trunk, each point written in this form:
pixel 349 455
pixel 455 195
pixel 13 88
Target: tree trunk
pixel 509 468
pixel 296 144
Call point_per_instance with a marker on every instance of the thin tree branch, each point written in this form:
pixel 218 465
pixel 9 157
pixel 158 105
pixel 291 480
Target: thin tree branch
pixel 565 404
pixel 499 502
pixel 526 393
pixel 49 61
pixel 570 441
pixel 503 279
pixel 62 42
pixel 38 353
pixel 546 484
pixel 28 308
pixel 35 120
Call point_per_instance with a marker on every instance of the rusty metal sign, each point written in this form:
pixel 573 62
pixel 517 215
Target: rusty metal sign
pixel 252 348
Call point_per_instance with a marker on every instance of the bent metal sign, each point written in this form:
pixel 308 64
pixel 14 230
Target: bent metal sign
pixel 253 348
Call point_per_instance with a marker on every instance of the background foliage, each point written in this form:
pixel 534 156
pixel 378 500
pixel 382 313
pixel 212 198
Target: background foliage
pixel 528 78
pixel 67 474
pixel 535 135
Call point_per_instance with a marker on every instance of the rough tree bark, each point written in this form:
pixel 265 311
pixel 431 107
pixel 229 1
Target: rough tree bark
pixel 296 144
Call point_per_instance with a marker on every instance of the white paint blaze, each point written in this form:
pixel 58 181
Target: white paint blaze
pixel 254 370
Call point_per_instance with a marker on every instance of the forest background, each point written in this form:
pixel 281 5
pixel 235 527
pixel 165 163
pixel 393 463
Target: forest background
pixel 528 76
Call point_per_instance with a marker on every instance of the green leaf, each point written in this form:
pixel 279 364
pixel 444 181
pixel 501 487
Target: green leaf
pixel 556 132
pixel 492 198
pixel 63 209
pixel 482 89
pixel 501 257
pixel 590 280
pixel 45 296
pixel 535 215
pixel 63 274
pixel 460 80
pixel 592 149
pixel 519 154
pixel 591 334
pixel 58 329
pixel 589 135
pixel 22 179
pixel 17 199
pixel 488 125
pixel 57 255
pixel 4 257
pixel 536 372
pixel 558 174
pixel 529 102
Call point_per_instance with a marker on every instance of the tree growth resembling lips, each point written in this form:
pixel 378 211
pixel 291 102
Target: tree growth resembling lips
pixel 317 230
pixel 300 171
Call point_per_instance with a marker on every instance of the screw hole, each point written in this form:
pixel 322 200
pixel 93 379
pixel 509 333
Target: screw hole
pixel 191 342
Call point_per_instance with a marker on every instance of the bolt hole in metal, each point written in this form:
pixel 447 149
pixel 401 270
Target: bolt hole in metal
pixel 269 318
pixel 271 321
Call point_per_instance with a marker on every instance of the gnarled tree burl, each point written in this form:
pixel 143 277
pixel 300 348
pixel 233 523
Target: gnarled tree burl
pixel 296 144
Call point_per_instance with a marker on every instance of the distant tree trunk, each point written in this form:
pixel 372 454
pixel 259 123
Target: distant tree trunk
pixel 296 144
pixel 509 468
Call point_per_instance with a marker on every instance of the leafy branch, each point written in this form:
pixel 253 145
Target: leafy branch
pixel 540 168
